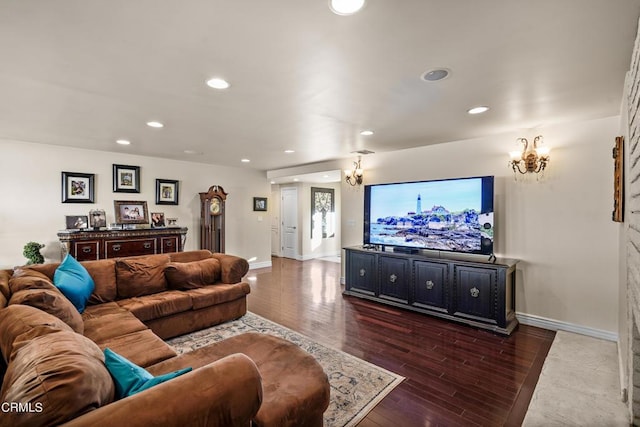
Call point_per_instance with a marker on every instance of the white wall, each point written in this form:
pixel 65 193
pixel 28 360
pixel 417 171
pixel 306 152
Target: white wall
pixel 560 228
pixel 31 207
pixel 308 248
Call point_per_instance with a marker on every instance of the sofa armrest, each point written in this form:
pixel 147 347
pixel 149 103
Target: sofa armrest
pixel 233 267
pixel 5 292
pixel 227 392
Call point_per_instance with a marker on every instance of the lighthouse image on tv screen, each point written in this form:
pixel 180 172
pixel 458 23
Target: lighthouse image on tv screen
pixel 450 215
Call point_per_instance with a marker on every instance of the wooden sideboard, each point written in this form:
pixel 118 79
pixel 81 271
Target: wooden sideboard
pixel 479 293
pixel 93 245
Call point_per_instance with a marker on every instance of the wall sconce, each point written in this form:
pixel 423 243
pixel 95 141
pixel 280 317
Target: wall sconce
pixel 532 159
pixel 354 177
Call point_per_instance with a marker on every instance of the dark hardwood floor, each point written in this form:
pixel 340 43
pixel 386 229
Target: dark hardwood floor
pixel 455 375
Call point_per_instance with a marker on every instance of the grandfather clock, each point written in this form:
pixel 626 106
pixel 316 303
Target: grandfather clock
pixel 212 219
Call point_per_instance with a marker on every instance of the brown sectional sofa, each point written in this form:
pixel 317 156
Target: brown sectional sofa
pixel 55 367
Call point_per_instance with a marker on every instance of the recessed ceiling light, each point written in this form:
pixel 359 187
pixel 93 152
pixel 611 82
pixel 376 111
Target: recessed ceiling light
pixel 345 7
pixel 123 142
pixel 296 179
pixel 245 160
pixel 366 133
pixel 435 75
pixel 190 152
pixel 218 83
pixel 478 110
pixel 273 182
pixel 289 151
pixel 155 124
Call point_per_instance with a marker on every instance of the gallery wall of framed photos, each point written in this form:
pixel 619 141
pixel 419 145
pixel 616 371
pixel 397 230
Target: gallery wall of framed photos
pixel 79 187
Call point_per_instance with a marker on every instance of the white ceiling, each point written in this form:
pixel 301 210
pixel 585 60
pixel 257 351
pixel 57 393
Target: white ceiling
pixel 84 73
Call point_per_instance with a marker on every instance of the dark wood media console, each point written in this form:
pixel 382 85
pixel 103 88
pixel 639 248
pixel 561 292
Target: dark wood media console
pixel 93 245
pixel 478 293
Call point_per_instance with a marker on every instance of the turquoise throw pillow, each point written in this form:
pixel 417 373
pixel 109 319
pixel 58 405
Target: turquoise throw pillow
pixel 74 282
pixel 130 378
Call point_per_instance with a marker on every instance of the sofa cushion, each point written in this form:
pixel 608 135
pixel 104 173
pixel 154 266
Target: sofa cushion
pixel 26 278
pixel 189 256
pixel 139 276
pixel 51 301
pixel 144 348
pixel 192 275
pixel 47 269
pixel 217 294
pixel 63 373
pixel 21 323
pixel 130 378
pixel 158 305
pixel 74 281
pixel 103 322
pixel 103 273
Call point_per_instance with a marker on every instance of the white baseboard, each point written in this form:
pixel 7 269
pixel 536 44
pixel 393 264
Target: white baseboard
pixel 264 264
pixel 314 256
pixel 557 325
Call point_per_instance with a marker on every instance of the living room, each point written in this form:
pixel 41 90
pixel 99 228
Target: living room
pixel 572 273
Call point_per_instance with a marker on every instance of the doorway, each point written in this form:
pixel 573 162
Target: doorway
pixel 289 215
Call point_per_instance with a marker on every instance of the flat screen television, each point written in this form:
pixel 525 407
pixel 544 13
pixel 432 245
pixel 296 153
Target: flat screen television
pixel 444 215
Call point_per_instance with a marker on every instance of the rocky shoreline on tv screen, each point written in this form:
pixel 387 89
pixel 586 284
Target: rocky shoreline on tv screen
pixel 437 229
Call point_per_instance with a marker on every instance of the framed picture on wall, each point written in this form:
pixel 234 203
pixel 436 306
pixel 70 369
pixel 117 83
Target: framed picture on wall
pixel 618 180
pixel 259 203
pixel 77 187
pixel 126 179
pixel 131 212
pixel 166 192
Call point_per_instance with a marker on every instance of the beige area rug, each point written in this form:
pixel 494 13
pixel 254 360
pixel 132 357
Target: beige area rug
pixel 579 385
pixel 357 386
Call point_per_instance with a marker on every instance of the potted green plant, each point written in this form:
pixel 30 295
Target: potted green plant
pixel 32 253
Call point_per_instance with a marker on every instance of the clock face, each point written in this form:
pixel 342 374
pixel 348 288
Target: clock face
pixel 215 207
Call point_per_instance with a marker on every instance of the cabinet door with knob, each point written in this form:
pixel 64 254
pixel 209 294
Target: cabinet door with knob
pixel 361 268
pixel 394 279
pixel 476 291
pixel 432 286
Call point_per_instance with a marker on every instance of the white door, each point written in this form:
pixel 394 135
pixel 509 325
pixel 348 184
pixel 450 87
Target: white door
pixel 289 215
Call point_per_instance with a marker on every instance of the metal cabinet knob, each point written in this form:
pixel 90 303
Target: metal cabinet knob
pixel 169 244
pixel 393 278
pixel 116 248
pixel 86 249
pixel 430 284
pixel 147 245
pixel 475 292
pixel 363 272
